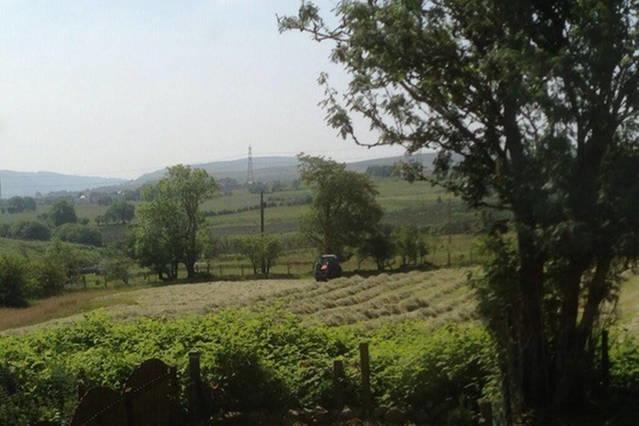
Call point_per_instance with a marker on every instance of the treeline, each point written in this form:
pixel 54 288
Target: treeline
pixel 25 278
pixel 59 221
pixel 270 203
pixel 18 205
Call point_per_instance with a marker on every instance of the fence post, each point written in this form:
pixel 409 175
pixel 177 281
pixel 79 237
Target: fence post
pixel 195 396
pixel 605 360
pixel 338 383
pixel 365 371
pixel 128 404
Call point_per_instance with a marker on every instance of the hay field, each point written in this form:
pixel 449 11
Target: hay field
pixel 436 295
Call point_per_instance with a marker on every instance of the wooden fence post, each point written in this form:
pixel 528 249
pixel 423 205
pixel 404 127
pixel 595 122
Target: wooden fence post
pixel 365 371
pixel 128 403
pixel 195 388
pixel 605 360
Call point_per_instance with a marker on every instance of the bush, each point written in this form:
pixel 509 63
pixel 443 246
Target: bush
pixel 31 230
pixel 13 280
pixel 624 360
pixel 47 278
pixel 80 234
pixel 255 361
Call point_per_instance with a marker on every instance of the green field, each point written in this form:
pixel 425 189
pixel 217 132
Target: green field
pixel 404 203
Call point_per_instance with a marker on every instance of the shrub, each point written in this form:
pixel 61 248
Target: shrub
pixel 255 361
pixel 624 360
pixel 47 278
pixel 13 280
pixel 31 230
pixel 62 212
pixel 80 234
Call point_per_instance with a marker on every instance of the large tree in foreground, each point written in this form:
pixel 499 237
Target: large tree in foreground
pixel 538 102
pixel 344 209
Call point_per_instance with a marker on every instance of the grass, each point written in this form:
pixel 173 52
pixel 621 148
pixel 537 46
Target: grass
pixel 435 296
pixel 61 306
pixel 628 306
pixel 419 204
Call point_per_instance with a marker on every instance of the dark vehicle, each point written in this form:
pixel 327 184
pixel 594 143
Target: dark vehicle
pixel 327 267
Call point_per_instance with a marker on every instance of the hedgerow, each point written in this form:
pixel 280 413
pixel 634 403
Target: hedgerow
pixel 258 361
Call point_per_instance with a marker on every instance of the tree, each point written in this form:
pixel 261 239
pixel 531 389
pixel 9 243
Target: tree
pixel 117 268
pixel 344 208
pixel 62 212
pixel 13 280
pixel 120 212
pixel 169 225
pixel 29 203
pixel 79 234
pixel 380 246
pixel 537 101
pixel 262 251
pixel 30 230
pixel 15 205
pixel 48 277
pixel 410 244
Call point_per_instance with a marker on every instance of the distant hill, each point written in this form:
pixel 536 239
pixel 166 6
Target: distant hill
pixel 266 169
pixel 269 169
pixel 28 183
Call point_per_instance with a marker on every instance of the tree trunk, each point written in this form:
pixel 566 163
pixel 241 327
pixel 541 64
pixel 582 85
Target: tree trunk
pixel 531 361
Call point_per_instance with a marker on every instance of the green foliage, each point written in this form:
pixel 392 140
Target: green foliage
pixel 79 234
pixel 624 360
pixel 262 251
pixel 30 230
pixel 19 204
pixel 13 281
pixel 118 268
pixel 533 109
pixel 168 231
pixel 48 277
pixel 62 212
pixel 71 258
pixel 380 246
pixel 411 246
pixel 344 207
pixel 256 361
pixel 120 212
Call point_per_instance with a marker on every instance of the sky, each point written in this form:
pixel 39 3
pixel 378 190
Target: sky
pixel 122 87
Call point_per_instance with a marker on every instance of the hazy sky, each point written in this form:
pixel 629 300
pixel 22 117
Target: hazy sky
pixel 122 87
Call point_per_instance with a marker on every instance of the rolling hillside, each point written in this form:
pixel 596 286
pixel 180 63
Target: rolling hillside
pixel 28 184
pixel 269 169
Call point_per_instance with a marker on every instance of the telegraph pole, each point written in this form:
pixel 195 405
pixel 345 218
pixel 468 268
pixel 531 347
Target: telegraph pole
pixel 449 231
pixel 262 212
pixel 262 228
